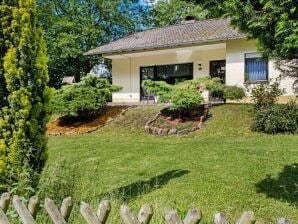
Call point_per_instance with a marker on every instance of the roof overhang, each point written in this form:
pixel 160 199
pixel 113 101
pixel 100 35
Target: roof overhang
pixel 173 50
pixel 108 54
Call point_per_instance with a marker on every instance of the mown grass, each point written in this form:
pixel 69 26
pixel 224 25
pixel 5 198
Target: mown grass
pixel 224 167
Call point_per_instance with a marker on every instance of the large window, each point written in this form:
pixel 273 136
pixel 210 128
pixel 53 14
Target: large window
pixel 256 67
pixel 171 74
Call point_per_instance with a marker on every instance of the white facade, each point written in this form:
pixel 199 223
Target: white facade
pixel 126 67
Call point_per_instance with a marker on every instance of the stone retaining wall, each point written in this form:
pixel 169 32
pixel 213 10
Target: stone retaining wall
pixel 166 131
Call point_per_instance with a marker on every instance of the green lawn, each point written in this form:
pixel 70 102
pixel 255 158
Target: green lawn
pixel 224 167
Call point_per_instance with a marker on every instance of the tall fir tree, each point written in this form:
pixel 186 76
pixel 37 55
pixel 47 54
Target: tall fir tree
pixel 24 95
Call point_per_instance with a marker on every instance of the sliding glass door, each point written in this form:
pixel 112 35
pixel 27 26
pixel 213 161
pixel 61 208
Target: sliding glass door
pixel 172 74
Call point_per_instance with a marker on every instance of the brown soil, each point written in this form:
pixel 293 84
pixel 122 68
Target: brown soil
pixel 59 126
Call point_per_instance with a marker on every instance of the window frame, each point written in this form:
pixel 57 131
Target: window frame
pixel 155 69
pixel 258 55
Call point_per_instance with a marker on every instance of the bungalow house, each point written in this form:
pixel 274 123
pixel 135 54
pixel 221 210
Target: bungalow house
pixel 185 51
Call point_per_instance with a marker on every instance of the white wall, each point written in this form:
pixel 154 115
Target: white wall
pixel 126 68
pixel 235 57
pixel 126 72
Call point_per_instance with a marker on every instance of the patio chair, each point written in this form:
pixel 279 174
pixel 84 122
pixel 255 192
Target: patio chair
pixel 146 96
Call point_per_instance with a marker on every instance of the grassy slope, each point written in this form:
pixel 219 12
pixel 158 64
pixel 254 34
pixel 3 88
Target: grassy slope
pixel 221 168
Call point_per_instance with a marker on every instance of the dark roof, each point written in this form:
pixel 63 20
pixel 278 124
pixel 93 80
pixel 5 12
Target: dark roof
pixel 187 33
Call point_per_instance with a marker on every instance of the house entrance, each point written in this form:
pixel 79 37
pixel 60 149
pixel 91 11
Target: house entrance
pixel 218 69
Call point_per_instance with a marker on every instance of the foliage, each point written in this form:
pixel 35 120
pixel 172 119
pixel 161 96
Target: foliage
pixel 215 87
pixel 181 98
pixel 266 94
pixel 233 92
pixel 269 117
pixel 272 22
pixel 186 95
pixel 82 100
pixel 201 82
pixel 78 100
pixel 73 27
pixel 158 88
pixel 24 95
pixel 170 12
pixel 92 80
pixel 276 118
pixel 184 99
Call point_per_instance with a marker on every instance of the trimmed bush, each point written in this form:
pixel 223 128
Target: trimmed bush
pixel 184 99
pixel 233 92
pixel 83 99
pixel 79 100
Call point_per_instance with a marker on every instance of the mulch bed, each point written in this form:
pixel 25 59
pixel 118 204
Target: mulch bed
pixel 60 127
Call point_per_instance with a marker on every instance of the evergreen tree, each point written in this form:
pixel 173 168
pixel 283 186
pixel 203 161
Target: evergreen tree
pixel 24 95
pixel 170 12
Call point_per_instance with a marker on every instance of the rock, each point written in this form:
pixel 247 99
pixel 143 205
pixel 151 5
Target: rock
pixel 154 130
pixel 202 118
pixel 172 131
pixel 165 131
pixel 194 129
pixel 147 129
pixel 183 132
pixel 159 131
pixel 200 125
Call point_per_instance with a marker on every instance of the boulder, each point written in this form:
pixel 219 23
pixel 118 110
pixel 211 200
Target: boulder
pixel 172 131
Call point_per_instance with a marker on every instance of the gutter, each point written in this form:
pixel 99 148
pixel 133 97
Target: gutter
pixel 160 47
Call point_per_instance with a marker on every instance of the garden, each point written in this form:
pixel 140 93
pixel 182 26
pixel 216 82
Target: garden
pixel 59 141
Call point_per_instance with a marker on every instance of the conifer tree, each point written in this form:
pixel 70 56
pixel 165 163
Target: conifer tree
pixel 24 95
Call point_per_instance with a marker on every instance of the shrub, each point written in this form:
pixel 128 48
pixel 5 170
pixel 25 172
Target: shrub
pixel 92 80
pixel 79 100
pixel 266 94
pixel 233 92
pixel 83 99
pixel 268 116
pixel 216 88
pixel 276 118
pixel 206 82
pixel 184 99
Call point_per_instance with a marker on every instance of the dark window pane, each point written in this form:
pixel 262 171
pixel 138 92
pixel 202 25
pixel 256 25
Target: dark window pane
pixel 256 69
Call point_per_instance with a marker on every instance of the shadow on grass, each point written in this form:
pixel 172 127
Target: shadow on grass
pixel 132 191
pixel 284 187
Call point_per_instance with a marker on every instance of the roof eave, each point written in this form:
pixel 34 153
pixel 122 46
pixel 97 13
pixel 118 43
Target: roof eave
pixel 133 50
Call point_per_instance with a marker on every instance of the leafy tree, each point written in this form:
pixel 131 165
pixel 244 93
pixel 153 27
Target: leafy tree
pixel 73 27
pixel 274 23
pixel 24 95
pixel 170 12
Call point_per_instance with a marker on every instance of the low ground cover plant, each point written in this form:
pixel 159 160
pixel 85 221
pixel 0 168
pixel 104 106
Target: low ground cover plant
pixel 84 99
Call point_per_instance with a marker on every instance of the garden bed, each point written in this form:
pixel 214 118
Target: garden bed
pixel 62 126
pixel 178 123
